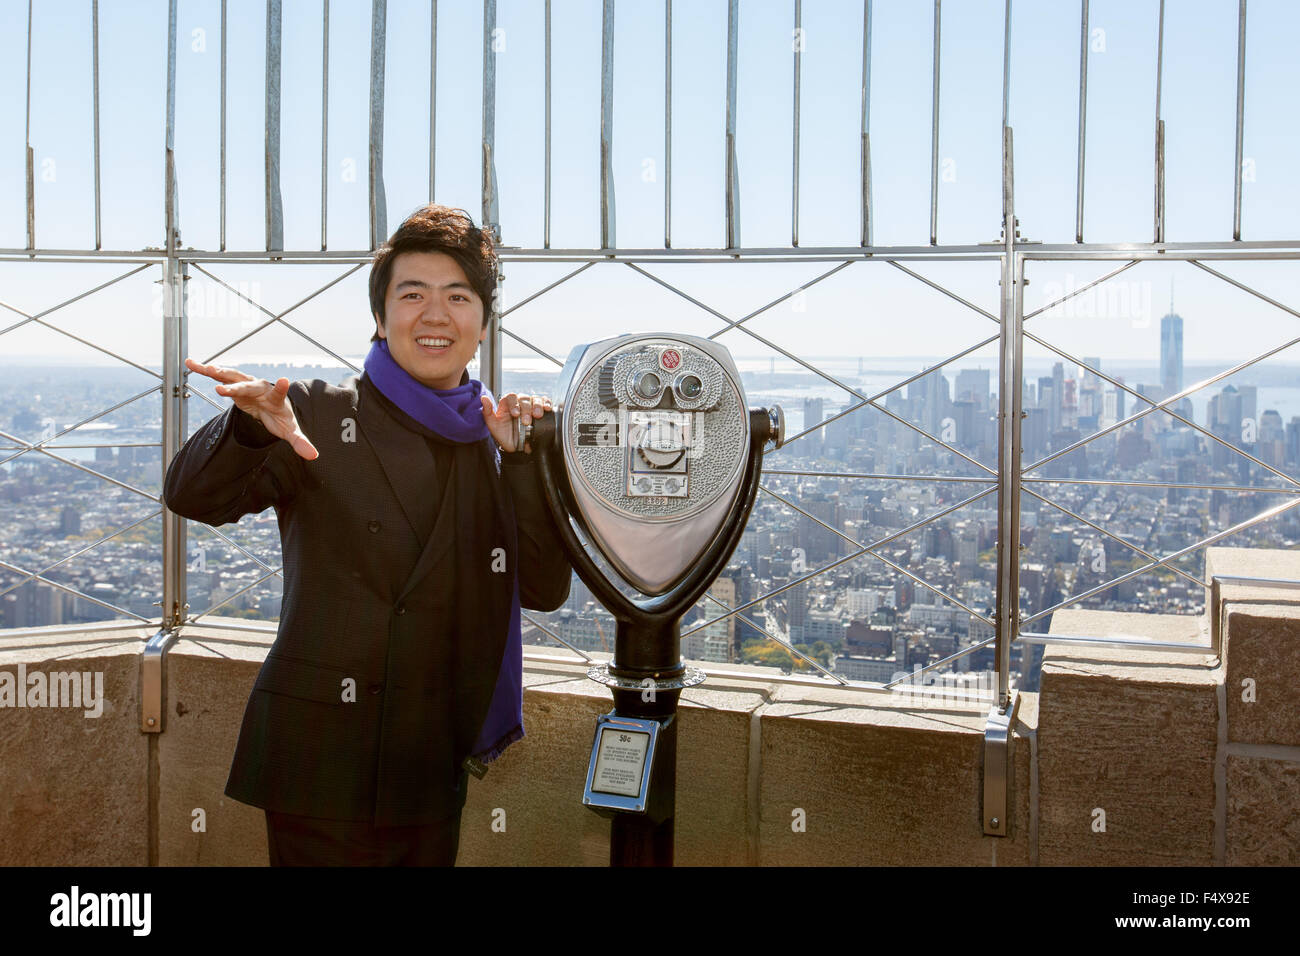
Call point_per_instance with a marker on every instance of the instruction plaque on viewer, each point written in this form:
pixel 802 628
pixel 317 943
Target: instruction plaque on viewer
pixel 620 760
pixel 622 757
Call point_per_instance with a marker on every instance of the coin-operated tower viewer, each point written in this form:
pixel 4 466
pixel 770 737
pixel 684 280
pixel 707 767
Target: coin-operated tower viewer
pixel 656 457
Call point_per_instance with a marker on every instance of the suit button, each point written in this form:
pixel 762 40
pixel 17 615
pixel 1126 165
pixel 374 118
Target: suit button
pixel 400 609
pixel 374 527
pixel 376 688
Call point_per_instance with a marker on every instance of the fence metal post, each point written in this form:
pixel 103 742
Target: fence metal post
pixel 608 238
pixel 997 737
pixel 375 151
pixel 175 345
pixel 490 350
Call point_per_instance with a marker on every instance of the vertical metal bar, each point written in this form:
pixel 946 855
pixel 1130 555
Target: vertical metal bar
pixel 1083 118
pixel 1011 374
pixel 1006 62
pixel 934 136
pixel 794 168
pixel 27 139
pixel 169 135
pixel 1241 114
pixel 222 200
pixel 1160 130
pixel 94 110
pixel 866 123
pixel 378 206
pixel 324 123
pixel 433 95
pixel 1160 182
pixel 175 345
pixel 1160 55
pixel 997 758
pixel 490 352
pixel 274 204
pixel 607 236
pixel 731 186
pixel 668 123
pixel 173 605
pixel 489 118
pixel 546 175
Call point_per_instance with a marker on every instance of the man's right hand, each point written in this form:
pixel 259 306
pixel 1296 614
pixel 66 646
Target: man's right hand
pixel 268 403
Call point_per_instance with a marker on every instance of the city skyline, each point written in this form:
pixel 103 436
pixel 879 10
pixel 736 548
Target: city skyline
pixel 865 621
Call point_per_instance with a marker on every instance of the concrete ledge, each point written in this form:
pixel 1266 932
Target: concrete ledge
pixel 717 776
pixel 877 778
pixel 1023 798
pixel 75 788
pixel 1276 563
pixel 875 772
pixel 1262 654
pixel 1127 738
pixel 1263 828
pixel 881 785
pixel 528 809
pixel 209 678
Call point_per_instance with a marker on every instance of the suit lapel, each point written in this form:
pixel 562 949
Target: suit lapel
pixel 444 533
pixel 398 448
pixel 440 541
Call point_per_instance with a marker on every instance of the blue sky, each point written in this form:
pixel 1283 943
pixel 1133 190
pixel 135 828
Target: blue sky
pixel 855 312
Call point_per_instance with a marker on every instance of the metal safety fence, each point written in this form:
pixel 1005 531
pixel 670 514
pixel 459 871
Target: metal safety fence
pixel 1009 483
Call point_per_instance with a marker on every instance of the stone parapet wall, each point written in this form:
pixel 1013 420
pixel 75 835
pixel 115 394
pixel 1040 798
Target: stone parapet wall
pixel 1125 757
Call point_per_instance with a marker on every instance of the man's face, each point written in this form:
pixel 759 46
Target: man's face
pixel 433 318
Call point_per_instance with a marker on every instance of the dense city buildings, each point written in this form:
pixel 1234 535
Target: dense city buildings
pixel 870 578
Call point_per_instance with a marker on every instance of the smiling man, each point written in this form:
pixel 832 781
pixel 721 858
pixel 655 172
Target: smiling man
pixel 413 530
pixel 434 318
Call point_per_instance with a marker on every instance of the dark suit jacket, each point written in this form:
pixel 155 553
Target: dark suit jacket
pixel 362 593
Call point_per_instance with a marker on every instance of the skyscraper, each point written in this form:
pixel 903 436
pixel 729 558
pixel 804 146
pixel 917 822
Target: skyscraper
pixel 973 386
pixel 1171 354
pixel 1049 400
pixel 930 399
pixel 1091 381
pixel 1090 390
pixel 1058 390
pixel 797 608
pixel 1231 416
pixel 841 433
pixel 812 415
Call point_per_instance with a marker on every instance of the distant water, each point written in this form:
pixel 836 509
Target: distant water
pixel 783 381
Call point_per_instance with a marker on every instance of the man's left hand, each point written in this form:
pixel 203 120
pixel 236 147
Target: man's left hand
pixel 500 421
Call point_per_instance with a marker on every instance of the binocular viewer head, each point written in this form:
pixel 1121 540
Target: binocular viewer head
pixel 661 464
pixel 656 437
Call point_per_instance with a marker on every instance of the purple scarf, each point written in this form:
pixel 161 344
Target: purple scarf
pixel 454 413
pixel 457 415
